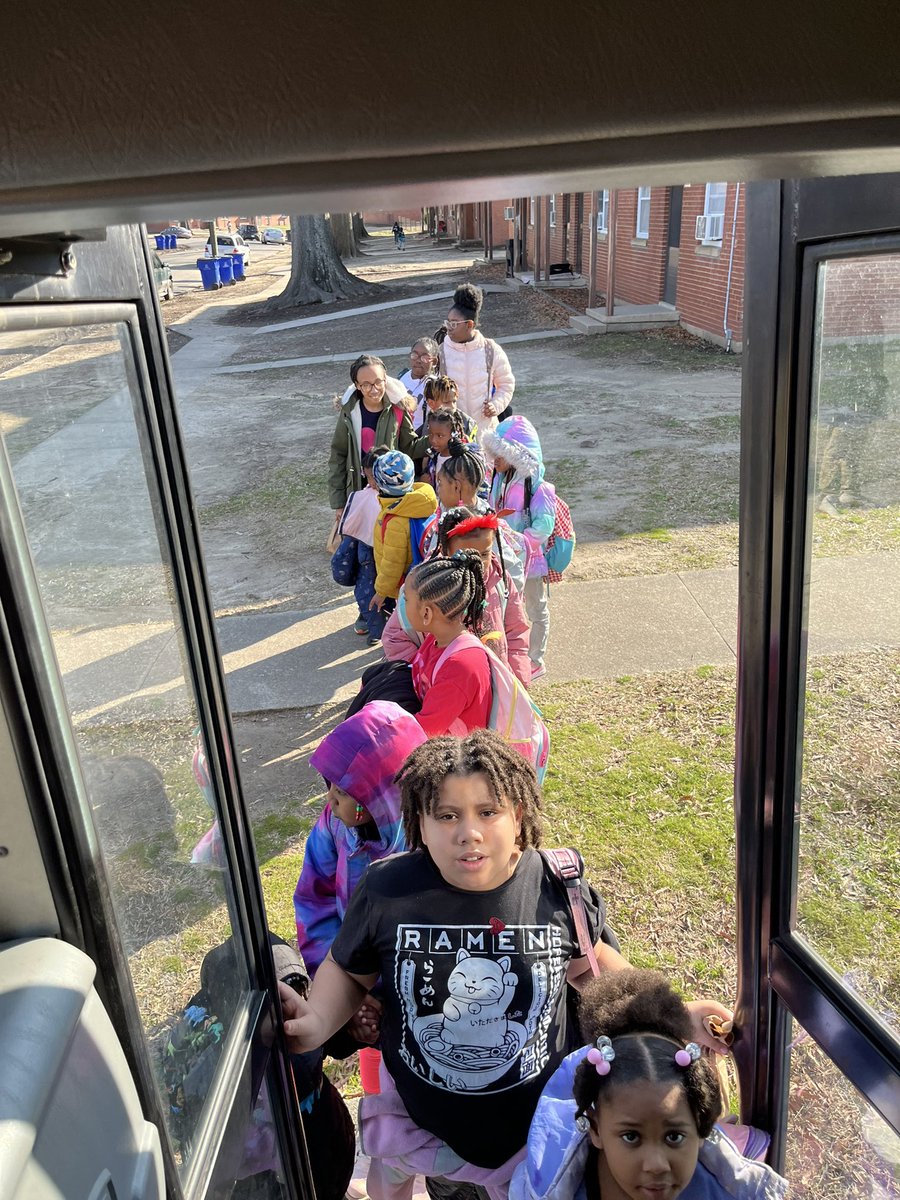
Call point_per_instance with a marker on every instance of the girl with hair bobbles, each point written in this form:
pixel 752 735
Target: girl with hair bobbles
pixel 632 1114
pixel 472 935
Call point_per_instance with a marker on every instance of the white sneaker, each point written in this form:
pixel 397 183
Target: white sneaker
pixel 538 672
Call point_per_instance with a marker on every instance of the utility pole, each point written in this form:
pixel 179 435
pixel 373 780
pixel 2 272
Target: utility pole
pixel 213 240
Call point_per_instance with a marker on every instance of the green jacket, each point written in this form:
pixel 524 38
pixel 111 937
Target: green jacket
pixel 345 474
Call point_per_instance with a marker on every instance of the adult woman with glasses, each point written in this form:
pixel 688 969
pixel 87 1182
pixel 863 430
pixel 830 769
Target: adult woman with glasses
pixel 478 366
pixel 373 412
pixel 422 364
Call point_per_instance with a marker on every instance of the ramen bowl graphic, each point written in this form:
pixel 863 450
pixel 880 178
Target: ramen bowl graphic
pixel 469 1067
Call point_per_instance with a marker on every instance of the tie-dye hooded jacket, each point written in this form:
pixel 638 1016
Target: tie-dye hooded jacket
pixel 516 441
pixel 361 757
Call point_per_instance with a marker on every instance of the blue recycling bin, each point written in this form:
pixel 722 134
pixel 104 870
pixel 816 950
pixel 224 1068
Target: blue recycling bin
pixel 237 262
pixel 160 241
pixel 209 273
pixel 171 241
pixel 226 270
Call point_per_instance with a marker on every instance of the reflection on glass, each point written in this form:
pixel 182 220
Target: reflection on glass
pixel 67 409
pixel 849 847
pixel 249 1165
pixel 838 1146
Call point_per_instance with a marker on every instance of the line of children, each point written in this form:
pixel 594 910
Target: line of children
pixel 472 936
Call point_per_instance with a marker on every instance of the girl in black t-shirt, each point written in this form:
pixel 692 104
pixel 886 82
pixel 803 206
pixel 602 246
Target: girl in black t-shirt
pixel 472 935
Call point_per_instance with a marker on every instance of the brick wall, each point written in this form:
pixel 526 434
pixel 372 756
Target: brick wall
pixel 640 262
pixel 703 270
pixel 861 297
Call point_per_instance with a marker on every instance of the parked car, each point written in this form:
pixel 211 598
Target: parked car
pixel 180 231
pixel 162 277
pixel 228 244
pixel 274 236
pixel 250 233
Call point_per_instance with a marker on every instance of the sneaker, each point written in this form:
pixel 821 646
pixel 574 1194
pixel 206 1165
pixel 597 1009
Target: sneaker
pixel 538 672
pixel 373 641
pixel 361 627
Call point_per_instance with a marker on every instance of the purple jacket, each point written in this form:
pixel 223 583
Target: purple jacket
pixel 361 756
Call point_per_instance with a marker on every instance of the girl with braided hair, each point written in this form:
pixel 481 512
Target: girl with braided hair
pixel 444 598
pixel 632 1115
pixel 504 626
pixel 473 936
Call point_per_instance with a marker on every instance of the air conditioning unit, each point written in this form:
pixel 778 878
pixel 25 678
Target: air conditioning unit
pixel 509 213
pixel 709 228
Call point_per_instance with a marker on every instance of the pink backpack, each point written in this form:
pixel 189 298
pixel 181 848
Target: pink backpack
pixel 514 715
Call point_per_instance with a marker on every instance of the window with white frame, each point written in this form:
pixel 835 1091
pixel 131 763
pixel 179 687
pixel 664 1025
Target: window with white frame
pixel 602 211
pixel 711 225
pixel 551 201
pixel 531 210
pixel 642 225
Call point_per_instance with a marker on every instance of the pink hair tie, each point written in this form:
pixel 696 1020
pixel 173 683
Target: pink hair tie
pixel 690 1054
pixel 601 1056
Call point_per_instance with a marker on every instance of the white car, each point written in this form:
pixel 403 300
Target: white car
pixel 229 243
pixel 274 236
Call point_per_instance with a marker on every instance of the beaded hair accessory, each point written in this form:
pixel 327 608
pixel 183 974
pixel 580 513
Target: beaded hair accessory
pixel 602 1055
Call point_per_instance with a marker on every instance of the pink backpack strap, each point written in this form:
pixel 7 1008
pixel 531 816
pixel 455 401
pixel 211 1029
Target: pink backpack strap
pixel 568 867
pixel 462 642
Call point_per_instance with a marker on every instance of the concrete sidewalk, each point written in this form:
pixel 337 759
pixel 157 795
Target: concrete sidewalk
pixel 603 628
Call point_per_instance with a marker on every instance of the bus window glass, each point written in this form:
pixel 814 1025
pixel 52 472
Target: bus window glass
pixel 838 1146
pixel 68 399
pixel 849 844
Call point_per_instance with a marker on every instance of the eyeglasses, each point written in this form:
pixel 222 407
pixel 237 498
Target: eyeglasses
pixel 420 354
pixel 454 324
pixel 371 387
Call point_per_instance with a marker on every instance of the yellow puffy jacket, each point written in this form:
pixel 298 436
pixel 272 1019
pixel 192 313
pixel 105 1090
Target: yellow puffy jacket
pixel 393 549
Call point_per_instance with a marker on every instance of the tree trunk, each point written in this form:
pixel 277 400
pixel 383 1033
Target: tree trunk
pixel 317 274
pixel 342 233
pixel 359 227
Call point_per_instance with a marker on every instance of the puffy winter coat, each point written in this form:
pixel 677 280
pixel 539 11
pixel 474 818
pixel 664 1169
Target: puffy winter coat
pixel 558 1155
pixel 466 364
pixel 504 628
pixel 392 543
pixel 394 429
pixel 361 756
pixel 516 441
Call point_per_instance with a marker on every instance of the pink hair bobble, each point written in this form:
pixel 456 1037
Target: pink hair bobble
pixel 601 1056
pixel 690 1054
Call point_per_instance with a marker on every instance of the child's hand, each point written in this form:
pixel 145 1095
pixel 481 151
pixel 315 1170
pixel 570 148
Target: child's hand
pixel 365 1024
pixel 699 1010
pixel 302 1026
pixel 377 601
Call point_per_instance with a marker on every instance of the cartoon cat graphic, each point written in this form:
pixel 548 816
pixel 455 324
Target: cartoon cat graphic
pixel 475 1011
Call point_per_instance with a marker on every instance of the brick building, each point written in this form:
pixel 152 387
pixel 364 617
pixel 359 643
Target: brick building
pixel 676 247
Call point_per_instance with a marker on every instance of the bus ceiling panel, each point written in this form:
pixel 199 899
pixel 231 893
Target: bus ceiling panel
pixel 90 95
pixel 286 182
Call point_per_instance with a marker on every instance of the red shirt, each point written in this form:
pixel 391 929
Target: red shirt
pixel 459 700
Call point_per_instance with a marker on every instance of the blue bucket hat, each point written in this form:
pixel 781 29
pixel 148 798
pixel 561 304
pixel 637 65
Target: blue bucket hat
pixel 394 473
